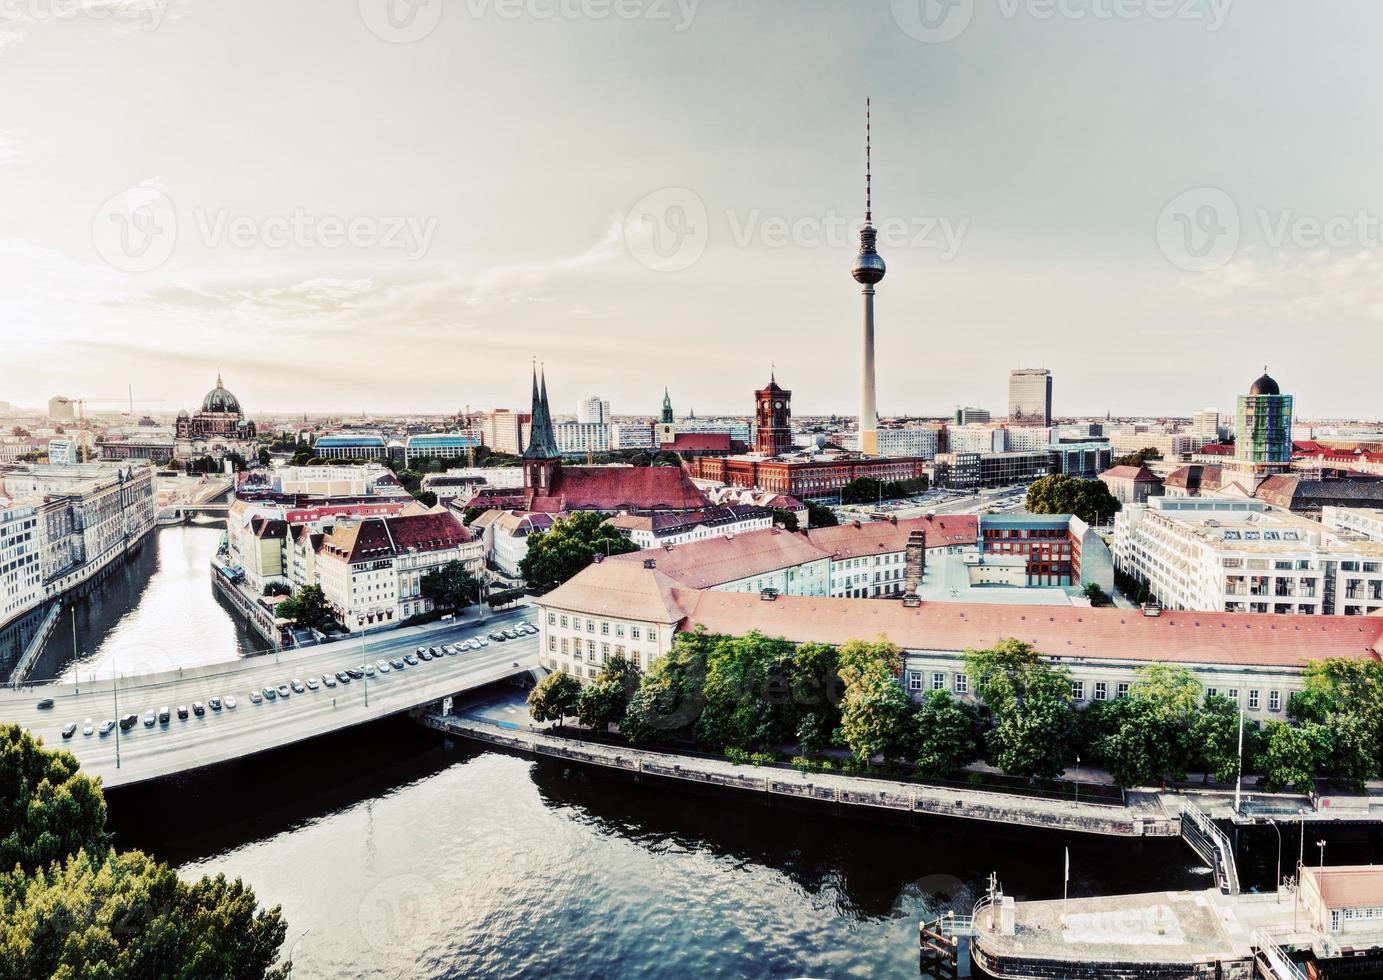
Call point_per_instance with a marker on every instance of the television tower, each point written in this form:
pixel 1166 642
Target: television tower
pixel 868 269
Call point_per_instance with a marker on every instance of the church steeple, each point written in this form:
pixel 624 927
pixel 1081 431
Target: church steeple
pixel 667 407
pixel 542 460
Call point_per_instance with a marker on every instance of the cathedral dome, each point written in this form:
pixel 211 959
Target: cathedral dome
pixel 220 400
pixel 1265 386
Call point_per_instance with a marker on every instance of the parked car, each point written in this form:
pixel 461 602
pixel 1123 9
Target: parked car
pixel 45 703
pixel 150 718
pixel 269 693
pixel 397 664
pixel 128 721
pixel 256 697
pixel 355 672
pixel 297 685
pixel 182 712
pixel 424 655
pixel 411 660
pixel 369 670
pixel 214 704
pixel 420 650
pixel 343 677
pixel 230 701
pixel 69 729
pixel 163 715
pixel 283 691
pixel 383 666
pixel 497 637
pixel 107 726
pixel 483 640
pixel 87 727
pixel 198 708
pixel 435 651
pixel 312 684
pixel 328 680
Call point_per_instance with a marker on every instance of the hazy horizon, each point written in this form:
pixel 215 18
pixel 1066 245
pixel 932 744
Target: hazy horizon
pixel 393 206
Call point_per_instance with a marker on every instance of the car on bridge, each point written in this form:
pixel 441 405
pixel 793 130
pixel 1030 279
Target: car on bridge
pixel 269 693
pixel 150 718
pixel 256 697
pixel 214 704
pixel 343 677
pixel 128 722
pixel 69 729
pixel 45 703
pixel 297 686
pixel 383 666
pixel 87 727
pixel 411 660
pixel 497 636
pixel 423 654
pixel 182 712
pixel 397 664
pixel 313 684
pixel 328 680
pixel 230 701
pixel 107 726
pixel 164 715
pixel 283 691
pixel 198 708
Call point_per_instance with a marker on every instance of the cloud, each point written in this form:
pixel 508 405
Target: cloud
pixel 1323 284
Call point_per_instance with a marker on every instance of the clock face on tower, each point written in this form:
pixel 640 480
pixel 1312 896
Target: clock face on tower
pixel 777 404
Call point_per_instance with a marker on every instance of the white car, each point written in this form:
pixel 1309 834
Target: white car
pixel 312 684
pixel 88 727
pixel 229 701
pixel 383 666
pixel 484 641
pixel 328 680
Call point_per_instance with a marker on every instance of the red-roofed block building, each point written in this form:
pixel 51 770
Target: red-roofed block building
pixel 371 571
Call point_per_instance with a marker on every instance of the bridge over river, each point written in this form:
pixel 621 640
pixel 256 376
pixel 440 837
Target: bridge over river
pixel 146 753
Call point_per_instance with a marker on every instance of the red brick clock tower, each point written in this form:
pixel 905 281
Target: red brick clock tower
pixel 772 420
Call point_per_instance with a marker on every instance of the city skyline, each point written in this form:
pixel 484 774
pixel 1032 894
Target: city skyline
pixel 473 241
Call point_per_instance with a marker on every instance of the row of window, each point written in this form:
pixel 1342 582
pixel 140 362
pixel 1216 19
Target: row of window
pixel 960 684
pixel 636 631
pixel 572 647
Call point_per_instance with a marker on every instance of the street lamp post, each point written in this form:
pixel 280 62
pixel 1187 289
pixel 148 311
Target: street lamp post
pixel 1277 882
pixel 1078 779
pixel 364 674
pixel 76 654
pixel 115 694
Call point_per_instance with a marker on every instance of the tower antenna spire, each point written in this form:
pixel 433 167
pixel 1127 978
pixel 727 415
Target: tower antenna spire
pixel 868 163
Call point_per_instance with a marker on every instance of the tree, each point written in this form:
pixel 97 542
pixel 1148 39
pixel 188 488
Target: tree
pixel 426 497
pixel 813 711
pixel 1145 746
pixel 571 544
pixel 747 692
pixel 1346 696
pixel 1293 755
pixel 1034 724
pixel 71 907
pixel 554 697
pixel 1214 739
pixel 819 515
pixel 875 711
pixel 309 608
pixel 48 809
pixel 128 915
pixel 672 693
pixel 450 587
pixel 943 735
pixel 863 490
pixel 604 702
pixel 277 588
pixel 1097 596
pixel 1090 500
pixel 786 518
pixel 1138 458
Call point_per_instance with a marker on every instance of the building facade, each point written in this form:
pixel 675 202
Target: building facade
pixel 439 445
pixel 1263 432
pixel 1030 397
pixel 217 429
pixel 772 420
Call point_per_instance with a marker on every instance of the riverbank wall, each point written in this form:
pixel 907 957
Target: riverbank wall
pixel 831 789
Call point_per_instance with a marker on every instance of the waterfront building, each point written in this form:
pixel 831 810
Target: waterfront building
pixel 21 571
pixel 1344 902
pixel 365 480
pixel 87 517
pixel 438 445
pixel 371 570
pixel 1241 556
pixel 667 530
pixel 1263 431
pixel 1132 484
pixel 593 411
pixel 1030 397
pixel 634 606
pixel 218 429
pixel 351 446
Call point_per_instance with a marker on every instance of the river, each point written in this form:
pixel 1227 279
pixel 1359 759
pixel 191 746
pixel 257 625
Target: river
pixel 397 852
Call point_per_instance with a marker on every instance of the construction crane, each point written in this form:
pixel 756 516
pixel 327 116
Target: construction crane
pixel 81 404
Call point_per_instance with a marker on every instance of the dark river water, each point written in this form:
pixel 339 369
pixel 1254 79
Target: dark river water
pixel 396 852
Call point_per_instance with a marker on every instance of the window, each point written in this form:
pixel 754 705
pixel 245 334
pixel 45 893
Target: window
pixel 619 629
pixel 1210 692
pixel 1253 699
pixel 1274 701
pixel 576 622
pixel 914 680
pixel 1122 690
pixel 564 646
pixel 652 635
pixel 1101 691
pixel 1233 694
pixel 604 629
pixel 635 633
pixel 962 683
pixel 590 626
pixel 637 663
pixel 564 622
pixel 1078 690
pixel 938 681
pixel 552 643
pixel 552 619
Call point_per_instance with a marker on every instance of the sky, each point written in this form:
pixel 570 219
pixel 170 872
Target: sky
pixel 396 205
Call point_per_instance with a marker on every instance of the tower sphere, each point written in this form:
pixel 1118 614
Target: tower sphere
pixel 869 268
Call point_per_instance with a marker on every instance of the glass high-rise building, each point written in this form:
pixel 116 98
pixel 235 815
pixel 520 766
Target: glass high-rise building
pixel 1263 435
pixel 1030 397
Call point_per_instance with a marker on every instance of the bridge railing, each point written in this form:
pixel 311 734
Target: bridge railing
pixel 1210 842
pixel 1273 961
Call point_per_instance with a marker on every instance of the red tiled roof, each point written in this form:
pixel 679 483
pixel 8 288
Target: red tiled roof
pixel 621 488
pixel 851 540
pixel 699 441
pixel 1139 474
pixel 1216 449
pixel 434 531
pixel 1241 639
pixel 715 561
pixel 1349 887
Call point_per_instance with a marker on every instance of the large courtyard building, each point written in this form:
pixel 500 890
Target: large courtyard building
pixel 439 445
pixel 1241 556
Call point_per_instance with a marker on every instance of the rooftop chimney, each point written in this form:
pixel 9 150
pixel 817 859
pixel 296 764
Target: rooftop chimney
pixel 915 566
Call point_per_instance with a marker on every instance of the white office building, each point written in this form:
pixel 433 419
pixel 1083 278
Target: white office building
pixel 593 411
pixel 1226 555
pixel 1030 397
pixel 581 437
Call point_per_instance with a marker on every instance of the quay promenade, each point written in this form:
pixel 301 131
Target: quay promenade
pixel 1144 817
